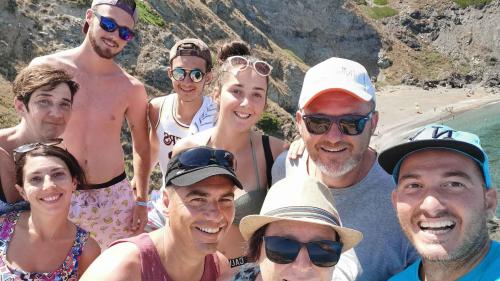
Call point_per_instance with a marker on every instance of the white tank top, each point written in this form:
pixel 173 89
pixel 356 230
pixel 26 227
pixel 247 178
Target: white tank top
pixel 169 130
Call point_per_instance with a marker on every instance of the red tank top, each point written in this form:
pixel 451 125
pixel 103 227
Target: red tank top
pixel 151 267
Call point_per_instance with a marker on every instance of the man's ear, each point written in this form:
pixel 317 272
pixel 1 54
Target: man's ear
pixel 299 121
pixel 208 77
pixel 169 72
pixel 166 198
pixel 394 198
pixel 89 16
pixel 19 106
pixel 490 202
pixel 21 191
pixel 374 122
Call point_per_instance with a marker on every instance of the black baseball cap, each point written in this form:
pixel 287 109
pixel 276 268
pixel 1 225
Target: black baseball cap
pixel 196 164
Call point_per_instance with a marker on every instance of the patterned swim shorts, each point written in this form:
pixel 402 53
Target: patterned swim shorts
pixel 105 212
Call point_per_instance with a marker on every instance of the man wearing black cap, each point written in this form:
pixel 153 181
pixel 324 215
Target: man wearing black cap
pixel 199 200
pixel 108 95
pixel 443 198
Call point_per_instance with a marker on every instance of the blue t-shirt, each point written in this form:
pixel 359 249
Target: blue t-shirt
pixel 487 270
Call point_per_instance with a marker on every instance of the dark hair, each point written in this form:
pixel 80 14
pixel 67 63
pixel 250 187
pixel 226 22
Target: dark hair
pixel 35 77
pixel 255 244
pixel 233 48
pixel 74 168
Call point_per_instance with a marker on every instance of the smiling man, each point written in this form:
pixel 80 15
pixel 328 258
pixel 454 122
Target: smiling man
pixel 443 200
pixel 199 200
pixel 43 100
pixel 336 119
pixel 108 96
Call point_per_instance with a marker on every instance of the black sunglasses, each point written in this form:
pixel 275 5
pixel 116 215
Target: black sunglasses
pixel 351 125
pixel 23 149
pixel 323 253
pixel 110 25
pixel 203 156
pixel 179 74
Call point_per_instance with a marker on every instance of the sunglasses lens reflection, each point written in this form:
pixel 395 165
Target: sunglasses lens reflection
pixel 196 75
pixel 262 68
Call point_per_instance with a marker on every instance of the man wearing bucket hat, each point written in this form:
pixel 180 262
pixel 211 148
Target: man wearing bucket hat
pixel 199 199
pixel 108 95
pixel 298 234
pixel 443 199
pixel 336 119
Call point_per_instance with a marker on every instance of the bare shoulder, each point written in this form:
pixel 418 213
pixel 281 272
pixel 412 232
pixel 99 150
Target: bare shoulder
pixel 90 252
pixel 64 58
pixel 120 262
pixel 198 139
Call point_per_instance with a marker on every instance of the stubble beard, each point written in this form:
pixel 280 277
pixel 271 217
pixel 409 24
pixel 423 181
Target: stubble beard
pixel 335 169
pixel 101 52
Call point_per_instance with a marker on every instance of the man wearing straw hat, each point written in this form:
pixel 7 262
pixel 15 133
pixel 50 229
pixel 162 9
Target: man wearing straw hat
pixel 336 119
pixel 298 234
pixel 443 198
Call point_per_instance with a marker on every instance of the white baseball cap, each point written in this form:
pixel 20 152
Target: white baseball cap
pixel 336 74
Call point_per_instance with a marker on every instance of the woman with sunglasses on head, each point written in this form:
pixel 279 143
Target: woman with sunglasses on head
pixel 241 93
pixel 42 244
pixel 298 234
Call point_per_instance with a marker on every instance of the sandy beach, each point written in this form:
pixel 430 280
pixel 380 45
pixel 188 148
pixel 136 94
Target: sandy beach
pixel 403 108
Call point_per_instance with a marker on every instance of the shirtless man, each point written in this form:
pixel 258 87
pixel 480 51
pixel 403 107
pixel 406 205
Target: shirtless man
pixel 108 95
pixel 43 98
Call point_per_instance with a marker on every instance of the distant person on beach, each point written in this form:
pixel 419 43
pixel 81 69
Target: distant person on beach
pixel 443 198
pixel 42 244
pixel 199 199
pixel 241 94
pixel 184 112
pixel 108 96
pixel 336 119
pixel 298 234
pixel 43 99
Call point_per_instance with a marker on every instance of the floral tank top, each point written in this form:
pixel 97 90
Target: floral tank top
pixel 67 271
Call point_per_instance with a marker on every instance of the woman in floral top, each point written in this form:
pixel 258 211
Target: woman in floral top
pixel 42 244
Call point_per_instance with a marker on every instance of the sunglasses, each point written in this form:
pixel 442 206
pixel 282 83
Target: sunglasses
pixel 351 125
pixel 110 25
pixel 241 63
pixel 323 253
pixel 203 156
pixel 179 74
pixel 23 149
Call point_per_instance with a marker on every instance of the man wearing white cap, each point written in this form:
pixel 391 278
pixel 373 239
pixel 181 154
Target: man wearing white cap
pixel 108 96
pixel 443 198
pixel 336 119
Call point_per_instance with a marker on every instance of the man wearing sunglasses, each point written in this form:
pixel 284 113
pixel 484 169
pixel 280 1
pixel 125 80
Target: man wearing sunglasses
pixel 199 199
pixel 443 198
pixel 184 112
pixel 43 100
pixel 108 96
pixel 336 119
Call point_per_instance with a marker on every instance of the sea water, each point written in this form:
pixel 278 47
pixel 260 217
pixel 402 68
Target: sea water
pixel 484 122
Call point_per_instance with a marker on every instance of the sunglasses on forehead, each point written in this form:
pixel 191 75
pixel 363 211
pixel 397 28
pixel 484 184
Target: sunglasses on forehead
pixel 23 149
pixel 282 250
pixel 195 74
pixel 351 125
pixel 241 63
pixel 110 25
pixel 203 156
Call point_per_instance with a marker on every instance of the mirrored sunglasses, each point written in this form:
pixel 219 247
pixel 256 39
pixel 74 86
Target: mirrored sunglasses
pixel 322 253
pixel 351 125
pixel 203 156
pixel 241 63
pixel 23 149
pixel 110 25
pixel 195 74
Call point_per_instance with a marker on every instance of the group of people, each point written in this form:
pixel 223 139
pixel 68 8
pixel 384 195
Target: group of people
pixel 234 203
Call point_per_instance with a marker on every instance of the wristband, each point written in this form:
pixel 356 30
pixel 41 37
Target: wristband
pixel 141 203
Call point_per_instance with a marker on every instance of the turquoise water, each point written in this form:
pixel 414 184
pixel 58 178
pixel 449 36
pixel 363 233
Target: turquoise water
pixel 484 122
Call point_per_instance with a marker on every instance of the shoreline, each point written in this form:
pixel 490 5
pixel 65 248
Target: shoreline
pixel 403 109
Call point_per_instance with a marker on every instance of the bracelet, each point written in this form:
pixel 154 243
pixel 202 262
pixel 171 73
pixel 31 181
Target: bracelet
pixel 141 203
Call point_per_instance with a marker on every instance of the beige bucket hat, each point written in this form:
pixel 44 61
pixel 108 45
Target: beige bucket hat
pixel 300 199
